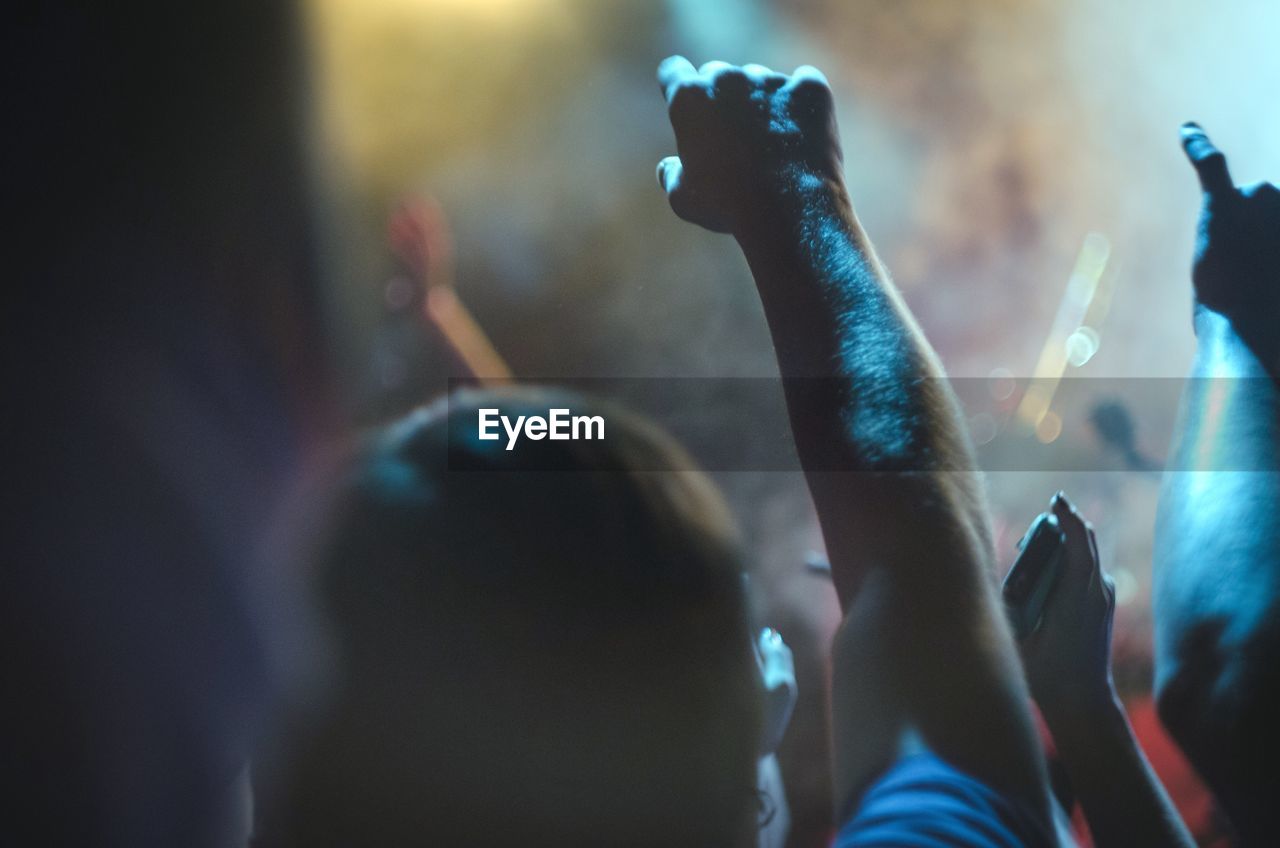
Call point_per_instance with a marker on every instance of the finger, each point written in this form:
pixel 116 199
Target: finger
pixel 1108 595
pixel 1093 547
pixel 686 101
pixel 670 162
pixel 1081 562
pixel 671 178
pixel 1265 191
pixel 1207 159
pixel 766 78
pixel 715 66
pixel 679 195
pixel 808 74
pixel 672 71
pixel 808 83
pixel 725 78
pixel 683 198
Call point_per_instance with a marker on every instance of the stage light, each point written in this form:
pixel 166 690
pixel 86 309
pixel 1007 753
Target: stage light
pixel 1126 585
pixel 1049 428
pixel 1082 345
pixel 1002 383
pixel 1055 355
pixel 983 428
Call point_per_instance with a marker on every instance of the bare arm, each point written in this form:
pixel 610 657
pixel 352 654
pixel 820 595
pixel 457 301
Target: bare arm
pixel 923 653
pixel 1217 556
pixel 1068 663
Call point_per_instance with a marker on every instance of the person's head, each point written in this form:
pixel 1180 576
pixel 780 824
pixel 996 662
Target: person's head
pixel 548 642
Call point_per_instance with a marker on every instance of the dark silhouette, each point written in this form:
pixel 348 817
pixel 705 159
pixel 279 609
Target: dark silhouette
pixel 166 374
pixel 547 645
pixel 1216 590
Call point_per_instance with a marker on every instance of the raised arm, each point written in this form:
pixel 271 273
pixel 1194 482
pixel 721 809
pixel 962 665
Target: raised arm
pixel 1068 662
pixel 923 654
pixel 1217 555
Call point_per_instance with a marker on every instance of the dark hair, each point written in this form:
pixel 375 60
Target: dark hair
pixel 558 656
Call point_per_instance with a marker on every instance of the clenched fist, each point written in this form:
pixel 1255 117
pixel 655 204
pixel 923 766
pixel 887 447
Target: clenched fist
pixel 746 137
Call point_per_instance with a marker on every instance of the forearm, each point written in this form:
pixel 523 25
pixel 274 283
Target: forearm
pixel 1231 407
pixel 1216 578
pixel 864 390
pixel 1217 553
pixel 880 438
pixel 839 326
pixel 1123 800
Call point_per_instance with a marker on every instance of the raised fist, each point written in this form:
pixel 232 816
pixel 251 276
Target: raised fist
pixel 746 137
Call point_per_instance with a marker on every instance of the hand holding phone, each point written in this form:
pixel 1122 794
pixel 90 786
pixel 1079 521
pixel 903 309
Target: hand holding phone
pixel 1032 577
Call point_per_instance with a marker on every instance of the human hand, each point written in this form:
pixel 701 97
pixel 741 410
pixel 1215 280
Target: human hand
pixel 1068 659
pixel 778 682
pixel 746 138
pixel 1236 270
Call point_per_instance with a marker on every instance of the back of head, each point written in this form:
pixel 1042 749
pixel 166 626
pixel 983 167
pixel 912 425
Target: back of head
pixel 545 643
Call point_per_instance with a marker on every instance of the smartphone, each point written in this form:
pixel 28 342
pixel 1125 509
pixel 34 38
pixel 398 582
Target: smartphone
pixel 1029 582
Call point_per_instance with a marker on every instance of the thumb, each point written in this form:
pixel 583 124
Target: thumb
pixel 683 199
pixel 1208 160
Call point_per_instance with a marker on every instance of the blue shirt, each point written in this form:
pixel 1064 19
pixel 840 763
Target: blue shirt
pixel 923 802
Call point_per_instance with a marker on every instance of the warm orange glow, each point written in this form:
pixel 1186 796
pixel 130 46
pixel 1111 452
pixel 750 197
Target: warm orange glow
pixel 405 84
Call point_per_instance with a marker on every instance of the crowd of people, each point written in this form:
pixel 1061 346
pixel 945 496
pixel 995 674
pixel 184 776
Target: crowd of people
pixel 554 643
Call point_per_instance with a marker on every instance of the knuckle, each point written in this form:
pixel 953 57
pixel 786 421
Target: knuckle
pixel 730 79
pixel 685 99
pixel 812 88
pixel 1251 190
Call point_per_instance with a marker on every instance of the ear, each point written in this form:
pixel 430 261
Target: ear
pixel 778 685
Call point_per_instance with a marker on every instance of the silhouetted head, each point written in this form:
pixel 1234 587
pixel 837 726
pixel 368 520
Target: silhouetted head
pixel 532 656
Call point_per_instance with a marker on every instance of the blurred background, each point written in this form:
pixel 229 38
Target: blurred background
pixel 1016 161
